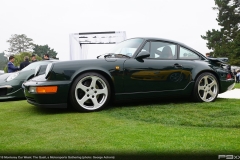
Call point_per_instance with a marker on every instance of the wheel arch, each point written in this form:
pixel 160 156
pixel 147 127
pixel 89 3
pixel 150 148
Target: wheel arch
pixel 210 71
pixel 103 73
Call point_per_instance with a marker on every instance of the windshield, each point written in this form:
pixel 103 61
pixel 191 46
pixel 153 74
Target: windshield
pixel 35 64
pixel 127 48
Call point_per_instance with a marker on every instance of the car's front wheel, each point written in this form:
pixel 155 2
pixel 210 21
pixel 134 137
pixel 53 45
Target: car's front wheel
pixel 90 92
pixel 206 88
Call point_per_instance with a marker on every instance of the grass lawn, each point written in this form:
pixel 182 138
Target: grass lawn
pixel 237 85
pixel 155 127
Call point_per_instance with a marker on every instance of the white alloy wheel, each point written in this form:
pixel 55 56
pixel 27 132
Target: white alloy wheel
pixel 206 87
pixel 91 92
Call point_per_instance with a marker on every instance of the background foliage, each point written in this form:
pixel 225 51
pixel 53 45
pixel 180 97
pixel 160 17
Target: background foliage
pixel 19 43
pixel 41 50
pixel 3 61
pixel 226 41
pixel 22 44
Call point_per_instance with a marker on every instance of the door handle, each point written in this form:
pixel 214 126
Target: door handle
pixel 176 65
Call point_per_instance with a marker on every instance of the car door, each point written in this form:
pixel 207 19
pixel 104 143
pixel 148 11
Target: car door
pixel 160 72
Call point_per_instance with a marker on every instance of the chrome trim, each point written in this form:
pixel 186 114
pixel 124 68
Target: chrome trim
pixel 6 86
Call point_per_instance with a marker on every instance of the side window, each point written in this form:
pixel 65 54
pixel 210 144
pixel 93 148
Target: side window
pixel 163 50
pixel 187 54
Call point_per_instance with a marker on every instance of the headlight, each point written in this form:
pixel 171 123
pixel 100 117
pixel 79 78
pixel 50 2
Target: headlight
pixel 49 68
pixel 32 89
pixel 12 76
pixel 37 70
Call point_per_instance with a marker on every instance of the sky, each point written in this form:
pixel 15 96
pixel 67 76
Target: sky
pixel 51 21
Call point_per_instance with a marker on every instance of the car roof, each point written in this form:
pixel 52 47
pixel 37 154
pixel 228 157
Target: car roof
pixel 50 60
pixel 167 40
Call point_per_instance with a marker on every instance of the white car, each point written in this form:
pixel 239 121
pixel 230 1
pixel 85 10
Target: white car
pixel 1 71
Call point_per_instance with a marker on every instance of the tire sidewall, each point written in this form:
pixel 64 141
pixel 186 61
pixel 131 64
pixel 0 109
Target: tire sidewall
pixel 196 96
pixel 72 97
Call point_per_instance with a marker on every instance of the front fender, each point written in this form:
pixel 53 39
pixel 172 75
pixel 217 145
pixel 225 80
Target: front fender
pixel 89 69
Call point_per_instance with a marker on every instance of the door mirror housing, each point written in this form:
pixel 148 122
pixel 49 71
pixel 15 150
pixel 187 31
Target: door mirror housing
pixel 143 54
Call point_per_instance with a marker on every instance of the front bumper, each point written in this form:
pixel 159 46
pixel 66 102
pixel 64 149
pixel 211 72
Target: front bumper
pixel 11 91
pixel 55 100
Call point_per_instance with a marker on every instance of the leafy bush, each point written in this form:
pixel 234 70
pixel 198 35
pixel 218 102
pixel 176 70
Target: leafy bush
pixel 5 69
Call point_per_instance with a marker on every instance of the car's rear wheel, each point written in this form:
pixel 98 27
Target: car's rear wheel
pixel 90 92
pixel 206 88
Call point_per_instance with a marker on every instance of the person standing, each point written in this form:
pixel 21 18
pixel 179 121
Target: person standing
pixel 235 75
pixel 11 67
pixel 238 76
pixel 208 55
pixel 24 63
pixel 46 56
pixel 34 59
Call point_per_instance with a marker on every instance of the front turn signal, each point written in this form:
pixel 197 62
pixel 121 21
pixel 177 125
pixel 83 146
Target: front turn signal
pixel 46 89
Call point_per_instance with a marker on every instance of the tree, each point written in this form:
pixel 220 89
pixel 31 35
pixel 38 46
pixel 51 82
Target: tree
pixel 225 42
pixel 235 58
pixel 3 61
pixel 41 50
pixel 20 43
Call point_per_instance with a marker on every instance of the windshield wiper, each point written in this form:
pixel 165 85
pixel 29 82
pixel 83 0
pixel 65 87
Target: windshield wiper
pixel 121 55
pixel 106 55
pixel 115 55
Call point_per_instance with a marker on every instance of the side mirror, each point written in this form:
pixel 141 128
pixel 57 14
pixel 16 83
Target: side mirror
pixel 143 54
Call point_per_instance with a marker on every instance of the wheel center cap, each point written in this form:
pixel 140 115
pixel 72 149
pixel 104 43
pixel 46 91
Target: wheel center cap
pixel 91 92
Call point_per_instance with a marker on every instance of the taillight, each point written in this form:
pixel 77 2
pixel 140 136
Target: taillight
pixel 229 76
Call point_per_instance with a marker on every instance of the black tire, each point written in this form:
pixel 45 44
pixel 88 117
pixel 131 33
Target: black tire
pixel 90 92
pixel 206 88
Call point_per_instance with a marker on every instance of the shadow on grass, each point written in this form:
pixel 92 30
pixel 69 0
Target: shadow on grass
pixel 53 110
pixel 124 103
pixel 14 99
pixel 150 101
pixel 160 101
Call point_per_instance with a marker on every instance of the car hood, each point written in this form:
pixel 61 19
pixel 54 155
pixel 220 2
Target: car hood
pixel 22 75
pixel 111 59
pixel 4 76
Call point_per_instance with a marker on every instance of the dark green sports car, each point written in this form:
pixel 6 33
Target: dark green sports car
pixel 134 68
pixel 11 83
